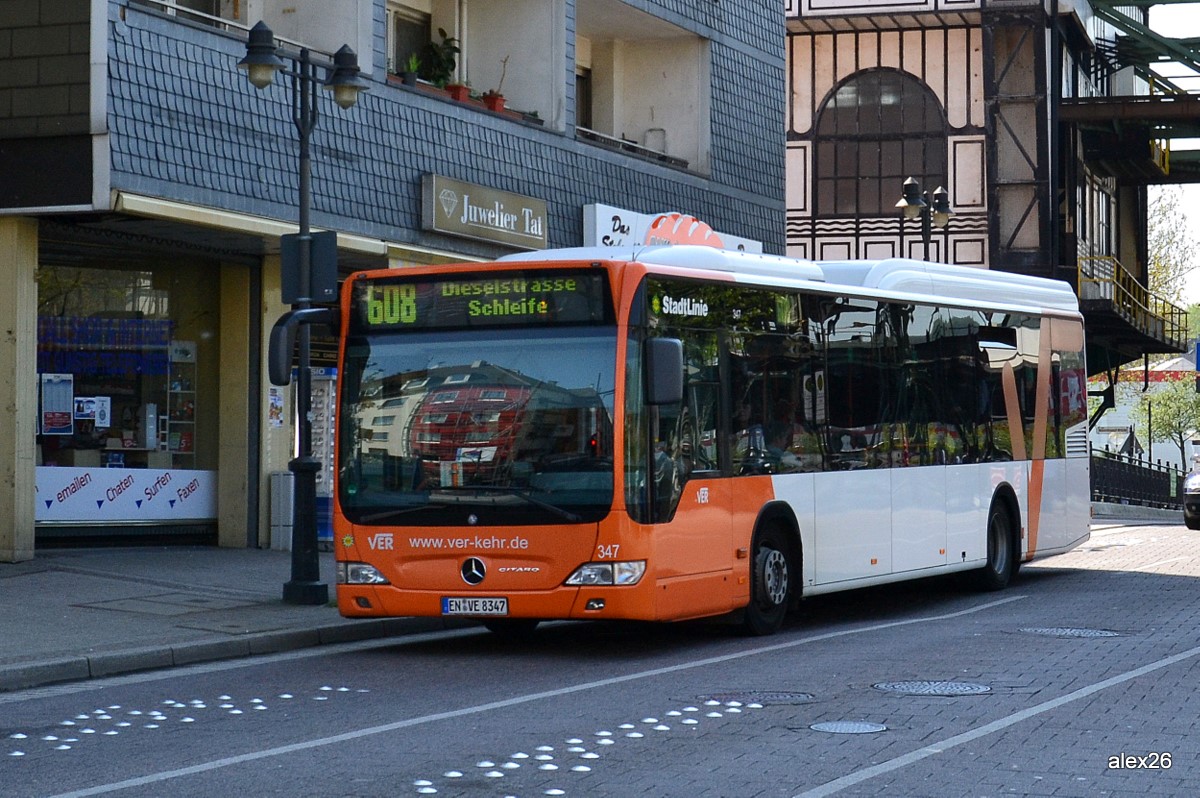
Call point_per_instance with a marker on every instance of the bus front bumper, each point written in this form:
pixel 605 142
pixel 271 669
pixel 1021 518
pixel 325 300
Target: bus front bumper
pixel 571 603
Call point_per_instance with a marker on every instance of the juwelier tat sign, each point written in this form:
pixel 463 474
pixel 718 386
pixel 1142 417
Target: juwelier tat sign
pixel 473 211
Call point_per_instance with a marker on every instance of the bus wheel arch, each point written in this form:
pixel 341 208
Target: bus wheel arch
pixel 775 570
pixel 1003 543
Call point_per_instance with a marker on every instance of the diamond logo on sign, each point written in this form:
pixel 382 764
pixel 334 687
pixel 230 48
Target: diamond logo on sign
pixel 449 201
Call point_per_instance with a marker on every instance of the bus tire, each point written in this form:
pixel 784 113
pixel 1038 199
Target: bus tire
pixel 512 628
pixel 1001 563
pixel 772 581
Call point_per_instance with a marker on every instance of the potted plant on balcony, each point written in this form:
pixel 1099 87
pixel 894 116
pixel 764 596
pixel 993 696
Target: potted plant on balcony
pixel 412 69
pixel 437 59
pixel 459 92
pixel 494 98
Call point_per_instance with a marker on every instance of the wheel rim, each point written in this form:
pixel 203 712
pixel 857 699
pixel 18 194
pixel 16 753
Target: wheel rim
pixel 773 576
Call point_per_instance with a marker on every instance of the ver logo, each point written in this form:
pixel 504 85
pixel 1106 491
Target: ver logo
pixel 384 541
pixel 702 496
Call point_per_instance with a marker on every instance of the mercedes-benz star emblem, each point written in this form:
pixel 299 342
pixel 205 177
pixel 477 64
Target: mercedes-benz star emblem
pixel 473 571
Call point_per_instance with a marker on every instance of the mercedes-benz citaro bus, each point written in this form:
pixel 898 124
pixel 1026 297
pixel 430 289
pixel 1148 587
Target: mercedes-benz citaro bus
pixel 676 432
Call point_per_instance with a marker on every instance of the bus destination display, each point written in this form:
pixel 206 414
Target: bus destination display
pixel 502 300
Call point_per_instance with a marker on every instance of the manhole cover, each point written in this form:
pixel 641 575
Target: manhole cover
pixel 933 688
pixel 848 727
pixel 764 697
pixel 1056 631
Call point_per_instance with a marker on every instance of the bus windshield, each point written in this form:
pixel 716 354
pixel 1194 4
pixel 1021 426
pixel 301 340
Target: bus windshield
pixel 461 428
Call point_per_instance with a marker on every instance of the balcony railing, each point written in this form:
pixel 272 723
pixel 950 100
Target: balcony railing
pixel 1104 278
pixel 626 145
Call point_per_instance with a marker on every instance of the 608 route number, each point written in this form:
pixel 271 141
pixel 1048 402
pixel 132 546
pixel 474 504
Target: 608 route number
pixel 608 552
pixel 393 304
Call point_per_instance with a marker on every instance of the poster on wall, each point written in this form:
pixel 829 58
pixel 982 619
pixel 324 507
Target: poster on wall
pixel 116 494
pixel 85 408
pixel 274 408
pixel 103 417
pixel 58 398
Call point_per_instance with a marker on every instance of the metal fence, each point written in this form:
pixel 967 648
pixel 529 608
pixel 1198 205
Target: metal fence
pixel 1125 479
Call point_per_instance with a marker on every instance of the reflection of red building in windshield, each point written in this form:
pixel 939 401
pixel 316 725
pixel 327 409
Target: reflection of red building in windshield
pixel 490 423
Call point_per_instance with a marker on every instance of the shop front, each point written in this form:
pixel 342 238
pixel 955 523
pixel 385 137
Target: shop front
pixel 128 388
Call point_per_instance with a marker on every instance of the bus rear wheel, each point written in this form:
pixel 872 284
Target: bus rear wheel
pixel 772 582
pixel 1001 559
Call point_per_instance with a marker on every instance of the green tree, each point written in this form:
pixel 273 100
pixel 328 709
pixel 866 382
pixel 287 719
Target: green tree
pixel 1171 248
pixel 1193 322
pixel 1171 412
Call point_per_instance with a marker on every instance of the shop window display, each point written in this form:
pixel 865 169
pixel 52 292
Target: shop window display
pixel 122 361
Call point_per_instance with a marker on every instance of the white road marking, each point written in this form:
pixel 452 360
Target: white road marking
pixel 1160 562
pixel 216 764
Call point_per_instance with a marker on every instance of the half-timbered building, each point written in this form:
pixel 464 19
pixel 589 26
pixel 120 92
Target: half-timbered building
pixel 1042 120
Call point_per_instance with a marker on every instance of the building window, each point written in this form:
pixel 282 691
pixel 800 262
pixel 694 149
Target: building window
pixel 583 97
pixel 642 85
pixel 408 31
pixel 183 8
pixel 877 129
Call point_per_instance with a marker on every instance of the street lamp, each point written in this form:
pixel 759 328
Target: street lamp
pixel 263 59
pixel 934 211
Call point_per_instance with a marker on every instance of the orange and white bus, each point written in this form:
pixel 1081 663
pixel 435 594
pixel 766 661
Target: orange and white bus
pixel 678 432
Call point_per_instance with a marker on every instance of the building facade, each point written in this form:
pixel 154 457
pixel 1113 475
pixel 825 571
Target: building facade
pixel 1043 120
pixel 145 184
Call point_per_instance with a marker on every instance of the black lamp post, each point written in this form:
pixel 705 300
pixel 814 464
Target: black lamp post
pixel 934 210
pixel 262 61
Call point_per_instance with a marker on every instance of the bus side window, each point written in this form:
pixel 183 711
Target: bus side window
pixel 702 389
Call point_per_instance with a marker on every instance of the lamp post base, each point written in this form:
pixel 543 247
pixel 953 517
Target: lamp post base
pixel 305 585
pixel 307 593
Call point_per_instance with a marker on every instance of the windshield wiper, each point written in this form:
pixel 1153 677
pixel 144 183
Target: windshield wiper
pixel 521 493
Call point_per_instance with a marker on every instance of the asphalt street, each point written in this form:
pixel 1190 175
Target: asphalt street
pixel 1076 681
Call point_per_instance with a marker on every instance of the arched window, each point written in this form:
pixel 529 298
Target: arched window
pixel 878 128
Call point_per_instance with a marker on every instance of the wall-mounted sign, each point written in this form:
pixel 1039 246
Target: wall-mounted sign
pixel 473 211
pixel 609 226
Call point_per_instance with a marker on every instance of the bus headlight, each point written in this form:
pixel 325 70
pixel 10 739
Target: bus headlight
pixel 359 573
pixel 608 573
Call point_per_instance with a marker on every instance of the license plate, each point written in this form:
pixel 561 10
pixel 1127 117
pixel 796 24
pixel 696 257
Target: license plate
pixel 474 606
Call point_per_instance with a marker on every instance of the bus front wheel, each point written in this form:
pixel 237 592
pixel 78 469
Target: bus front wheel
pixel 772 581
pixel 1001 558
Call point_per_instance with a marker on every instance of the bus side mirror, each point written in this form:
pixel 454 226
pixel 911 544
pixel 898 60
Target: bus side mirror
pixel 283 339
pixel 664 371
